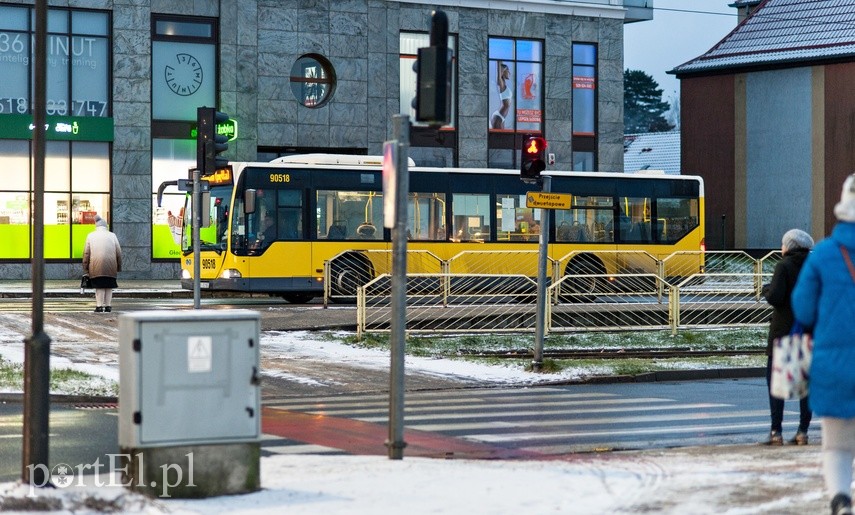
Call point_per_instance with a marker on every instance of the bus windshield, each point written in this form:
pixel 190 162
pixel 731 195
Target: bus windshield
pixel 212 236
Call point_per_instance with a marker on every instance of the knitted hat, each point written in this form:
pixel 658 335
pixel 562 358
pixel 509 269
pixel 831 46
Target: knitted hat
pixel 796 239
pixel 845 209
pixel 100 222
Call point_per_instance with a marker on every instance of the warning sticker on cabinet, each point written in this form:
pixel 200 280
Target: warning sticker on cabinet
pixel 199 354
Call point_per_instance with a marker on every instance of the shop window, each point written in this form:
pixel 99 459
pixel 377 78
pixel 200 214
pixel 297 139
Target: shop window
pixel 585 96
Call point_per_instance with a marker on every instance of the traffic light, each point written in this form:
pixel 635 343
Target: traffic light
pixel 209 142
pixel 533 158
pixel 433 75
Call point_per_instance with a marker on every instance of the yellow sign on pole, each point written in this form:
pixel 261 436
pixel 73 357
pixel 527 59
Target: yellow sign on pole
pixel 539 199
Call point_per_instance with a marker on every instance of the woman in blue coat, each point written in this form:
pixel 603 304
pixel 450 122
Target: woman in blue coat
pixel 824 301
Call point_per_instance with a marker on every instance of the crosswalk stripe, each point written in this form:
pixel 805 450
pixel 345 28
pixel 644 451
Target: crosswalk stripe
pixel 586 421
pixel 518 437
pixel 431 397
pixel 458 408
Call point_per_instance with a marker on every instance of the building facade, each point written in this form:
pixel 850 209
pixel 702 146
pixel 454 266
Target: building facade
pixel 125 78
pixel 768 119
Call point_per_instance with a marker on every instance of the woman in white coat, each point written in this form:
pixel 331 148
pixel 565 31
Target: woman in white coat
pixel 102 262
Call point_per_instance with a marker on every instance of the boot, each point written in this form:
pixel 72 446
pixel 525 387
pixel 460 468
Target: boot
pixel 108 309
pixel 801 438
pixel 775 438
pixel 99 309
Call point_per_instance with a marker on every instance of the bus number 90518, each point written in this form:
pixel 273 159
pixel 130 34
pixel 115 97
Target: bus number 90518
pixel 280 177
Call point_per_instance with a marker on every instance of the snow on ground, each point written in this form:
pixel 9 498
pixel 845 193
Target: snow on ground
pixel 723 480
pixel 683 481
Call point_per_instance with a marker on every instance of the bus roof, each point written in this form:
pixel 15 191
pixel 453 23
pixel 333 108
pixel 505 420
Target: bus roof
pixel 333 160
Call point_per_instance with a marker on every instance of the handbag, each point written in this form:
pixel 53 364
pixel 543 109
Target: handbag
pixel 85 283
pixel 791 358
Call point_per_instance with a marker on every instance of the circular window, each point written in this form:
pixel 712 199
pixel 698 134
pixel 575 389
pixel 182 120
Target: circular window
pixel 312 80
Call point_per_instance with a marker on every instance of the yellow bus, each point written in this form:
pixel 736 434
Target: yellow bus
pixel 274 225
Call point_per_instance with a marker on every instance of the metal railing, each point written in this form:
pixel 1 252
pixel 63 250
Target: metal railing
pixel 495 291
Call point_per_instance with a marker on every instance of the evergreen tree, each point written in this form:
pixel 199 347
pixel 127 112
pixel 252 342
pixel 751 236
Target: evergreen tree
pixel 643 108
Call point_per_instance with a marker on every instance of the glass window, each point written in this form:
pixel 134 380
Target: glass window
pixel 350 215
pixel 15 172
pixel 635 223
pixel 583 161
pixel 584 89
pixel 515 74
pixel 171 160
pixel 183 28
pixel 78 61
pixel 471 217
pixel 409 48
pixel 13 18
pixel 675 217
pixel 312 80
pixel 589 220
pixel 514 221
pixel 15 224
pixel 426 216
pixel 90 22
pixel 184 77
pixel 289 215
pixel 90 166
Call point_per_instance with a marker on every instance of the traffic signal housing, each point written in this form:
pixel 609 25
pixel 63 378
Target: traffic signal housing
pixel 533 158
pixel 433 75
pixel 209 142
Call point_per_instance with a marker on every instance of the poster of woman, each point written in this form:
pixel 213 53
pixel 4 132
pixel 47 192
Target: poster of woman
pixel 500 102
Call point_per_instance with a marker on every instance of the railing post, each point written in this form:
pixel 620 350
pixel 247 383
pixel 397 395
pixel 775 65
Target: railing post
pixel 660 265
pixel 674 309
pixel 326 284
pixel 360 312
pixel 445 267
pixel 758 279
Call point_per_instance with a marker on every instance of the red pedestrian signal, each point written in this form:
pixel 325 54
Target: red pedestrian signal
pixel 533 158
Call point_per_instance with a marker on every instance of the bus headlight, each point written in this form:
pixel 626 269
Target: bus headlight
pixel 230 273
pixel 185 274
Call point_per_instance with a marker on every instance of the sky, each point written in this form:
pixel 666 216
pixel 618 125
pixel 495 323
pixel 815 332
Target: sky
pixel 680 31
pixel 733 480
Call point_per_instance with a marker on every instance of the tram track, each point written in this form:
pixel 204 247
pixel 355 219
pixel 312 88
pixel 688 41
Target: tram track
pixel 647 353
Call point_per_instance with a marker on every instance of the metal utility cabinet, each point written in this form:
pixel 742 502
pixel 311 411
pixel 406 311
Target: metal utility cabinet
pixel 189 393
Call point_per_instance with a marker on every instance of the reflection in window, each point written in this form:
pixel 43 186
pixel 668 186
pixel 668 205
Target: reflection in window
pixel 515 221
pixel 410 43
pixel 675 217
pixel 312 80
pixel 635 223
pixel 471 218
pixel 350 215
pixel 515 77
pixel 589 220
pixel 426 216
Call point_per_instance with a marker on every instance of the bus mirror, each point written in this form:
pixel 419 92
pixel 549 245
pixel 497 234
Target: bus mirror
pixel 249 201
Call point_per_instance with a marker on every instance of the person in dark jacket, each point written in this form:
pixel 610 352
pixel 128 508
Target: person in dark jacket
pixel 824 300
pixel 795 246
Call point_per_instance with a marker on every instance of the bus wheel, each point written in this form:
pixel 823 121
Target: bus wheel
pixel 298 298
pixel 582 288
pixel 347 274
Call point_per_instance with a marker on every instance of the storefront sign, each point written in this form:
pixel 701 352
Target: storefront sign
pixel 228 128
pixel 60 128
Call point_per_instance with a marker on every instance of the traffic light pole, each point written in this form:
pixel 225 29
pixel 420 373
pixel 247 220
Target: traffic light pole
pixel 398 326
pixel 543 250
pixel 196 221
